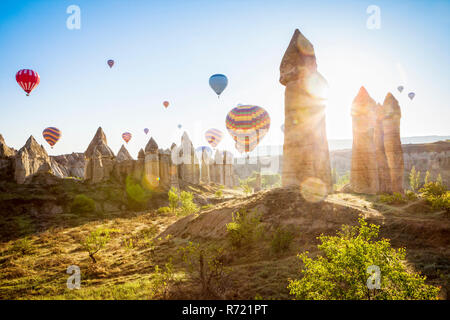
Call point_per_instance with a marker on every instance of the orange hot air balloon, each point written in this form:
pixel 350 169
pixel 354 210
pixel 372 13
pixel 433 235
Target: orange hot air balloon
pixel 51 135
pixel 126 136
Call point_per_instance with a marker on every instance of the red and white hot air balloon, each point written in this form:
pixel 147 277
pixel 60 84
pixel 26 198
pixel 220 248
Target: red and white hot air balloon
pixel 27 79
pixel 166 104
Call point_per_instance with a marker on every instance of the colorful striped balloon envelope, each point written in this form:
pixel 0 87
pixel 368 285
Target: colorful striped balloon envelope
pixel 247 125
pixel 51 135
pixel 126 136
pixel 213 136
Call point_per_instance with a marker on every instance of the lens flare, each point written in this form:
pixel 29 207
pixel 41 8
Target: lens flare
pixel 313 190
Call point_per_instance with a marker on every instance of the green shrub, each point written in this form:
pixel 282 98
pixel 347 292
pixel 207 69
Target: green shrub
pixel 281 240
pixel 162 280
pixel 410 195
pixel 207 206
pixel 206 266
pixel 427 177
pixel 22 247
pixel 436 195
pixel 341 272
pixel 341 180
pixel 219 193
pixel 187 203
pixel 82 204
pixel 164 210
pixel 174 199
pixel 396 198
pixel 244 228
pixel 96 241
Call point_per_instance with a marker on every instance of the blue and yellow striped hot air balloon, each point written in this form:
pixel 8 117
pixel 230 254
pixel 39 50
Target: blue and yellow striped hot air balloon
pixel 51 135
pixel 247 125
pixel 213 136
pixel 126 136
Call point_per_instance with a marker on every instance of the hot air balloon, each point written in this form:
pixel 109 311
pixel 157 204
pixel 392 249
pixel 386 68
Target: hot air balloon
pixel 400 89
pixel 166 103
pixel 213 136
pixel 282 127
pixel 199 151
pixel 126 136
pixel 146 130
pixel 27 79
pixel 110 63
pixel 218 82
pixel 51 135
pixel 247 126
pixel 411 95
pixel 179 126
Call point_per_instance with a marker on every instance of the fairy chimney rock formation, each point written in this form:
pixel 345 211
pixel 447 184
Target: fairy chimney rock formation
pixel 99 159
pixel 152 163
pixel 173 166
pixel 187 160
pixel 205 169
pixel 305 149
pixel 228 179
pixel 384 177
pixel 6 160
pixel 29 160
pixel 392 143
pixel 217 168
pixel 164 167
pixel 364 167
pixel 123 155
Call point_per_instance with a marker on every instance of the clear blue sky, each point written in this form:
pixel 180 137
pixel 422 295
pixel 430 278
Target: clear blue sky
pixel 166 50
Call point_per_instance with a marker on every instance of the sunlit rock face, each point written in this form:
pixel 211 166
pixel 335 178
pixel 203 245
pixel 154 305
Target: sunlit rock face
pixel 364 168
pixel 6 160
pixel 151 164
pixel 205 169
pixel 100 159
pixel 29 160
pixel 384 176
pixel 392 143
pixel 305 146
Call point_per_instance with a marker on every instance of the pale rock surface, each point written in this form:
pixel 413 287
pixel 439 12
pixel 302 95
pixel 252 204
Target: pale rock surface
pixel 305 146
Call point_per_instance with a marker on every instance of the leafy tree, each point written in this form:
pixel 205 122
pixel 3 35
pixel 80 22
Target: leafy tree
pixel 427 177
pixel 341 272
pixel 187 203
pixel 137 195
pixel 414 179
pixel 96 241
pixel 173 199
pixel 245 228
pixel 206 266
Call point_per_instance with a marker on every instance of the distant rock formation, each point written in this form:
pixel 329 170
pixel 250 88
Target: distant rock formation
pixel 392 143
pixel 69 165
pixel 205 169
pixel 123 155
pixel 29 160
pixel 99 159
pixel 305 142
pixel 7 155
pixel 151 163
pixel 364 173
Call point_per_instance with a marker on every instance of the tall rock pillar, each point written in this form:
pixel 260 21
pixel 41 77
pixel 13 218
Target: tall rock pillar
pixel 305 149
pixel 392 143
pixel 151 164
pixel 384 177
pixel 364 168
pixel 205 173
